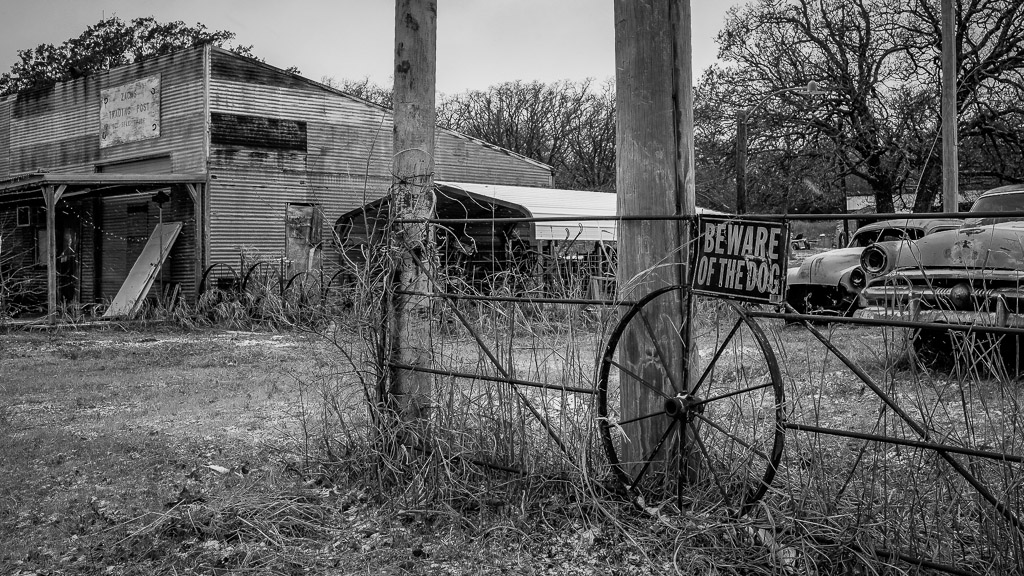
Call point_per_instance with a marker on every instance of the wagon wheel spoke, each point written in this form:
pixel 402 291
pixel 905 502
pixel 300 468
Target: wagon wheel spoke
pixel 718 354
pixel 739 441
pixel 645 383
pixel 650 458
pixel 662 357
pixel 733 393
pixel 710 465
pixel 640 418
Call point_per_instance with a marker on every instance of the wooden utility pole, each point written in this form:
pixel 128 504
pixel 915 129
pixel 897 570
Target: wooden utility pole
pixel 654 177
pixel 413 198
pixel 741 161
pixel 950 158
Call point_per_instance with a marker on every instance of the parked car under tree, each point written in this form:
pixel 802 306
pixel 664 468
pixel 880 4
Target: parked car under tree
pixel 830 282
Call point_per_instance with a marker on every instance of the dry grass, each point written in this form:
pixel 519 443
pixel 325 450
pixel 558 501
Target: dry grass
pixel 205 450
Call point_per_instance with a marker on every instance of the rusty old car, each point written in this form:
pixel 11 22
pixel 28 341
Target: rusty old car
pixel 971 275
pixel 830 282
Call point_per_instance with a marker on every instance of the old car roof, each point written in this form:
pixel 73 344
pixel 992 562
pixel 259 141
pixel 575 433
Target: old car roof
pixel 1003 190
pixel 922 223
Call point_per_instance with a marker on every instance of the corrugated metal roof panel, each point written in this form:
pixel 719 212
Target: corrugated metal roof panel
pixel 556 203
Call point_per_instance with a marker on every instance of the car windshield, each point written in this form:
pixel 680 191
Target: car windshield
pixel 865 238
pixel 1009 202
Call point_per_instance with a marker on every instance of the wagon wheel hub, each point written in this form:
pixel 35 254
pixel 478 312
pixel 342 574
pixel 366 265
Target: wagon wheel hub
pixel 680 406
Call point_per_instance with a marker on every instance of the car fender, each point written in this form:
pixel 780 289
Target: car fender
pixel 825 269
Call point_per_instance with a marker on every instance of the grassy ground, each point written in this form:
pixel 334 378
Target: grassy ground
pixel 160 451
pixel 103 428
pixel 165 452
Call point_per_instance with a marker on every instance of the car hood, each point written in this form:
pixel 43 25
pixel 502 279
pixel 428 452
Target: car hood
pixel 826 268
pixel 992 246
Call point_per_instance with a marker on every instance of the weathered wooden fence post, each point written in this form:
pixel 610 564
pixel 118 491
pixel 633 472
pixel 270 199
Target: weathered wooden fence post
pixel 413 198
pixel 654 147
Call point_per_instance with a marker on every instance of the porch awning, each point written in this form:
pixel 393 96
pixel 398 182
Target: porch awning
pixel 19 187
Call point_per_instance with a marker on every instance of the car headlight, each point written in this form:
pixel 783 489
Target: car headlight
pixel 874 260
pixel 857 278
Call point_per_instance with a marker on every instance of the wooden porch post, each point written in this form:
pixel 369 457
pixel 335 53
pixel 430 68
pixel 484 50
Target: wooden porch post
pixel 51 195
pixel 196 192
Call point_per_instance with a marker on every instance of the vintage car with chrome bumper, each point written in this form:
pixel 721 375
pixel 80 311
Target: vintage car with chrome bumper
pixel 972 275
pixel 829 282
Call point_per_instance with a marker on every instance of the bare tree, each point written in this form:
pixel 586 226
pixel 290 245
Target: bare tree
pixel 365 89
pixel 570 126
pixel 878 59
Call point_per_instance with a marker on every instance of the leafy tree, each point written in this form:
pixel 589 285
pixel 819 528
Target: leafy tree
pixel 104 45
pixel 878 123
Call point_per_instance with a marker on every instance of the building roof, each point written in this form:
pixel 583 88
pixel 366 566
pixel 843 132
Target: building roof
pixel 581 209
pixel 385 109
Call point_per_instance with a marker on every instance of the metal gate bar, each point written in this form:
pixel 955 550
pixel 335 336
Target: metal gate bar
pixel 966 474
pixel 494 360
pixel 915 443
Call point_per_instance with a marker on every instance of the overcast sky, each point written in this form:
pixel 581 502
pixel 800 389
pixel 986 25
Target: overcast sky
pixel 480 42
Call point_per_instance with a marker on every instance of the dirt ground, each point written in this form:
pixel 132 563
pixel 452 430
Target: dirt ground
pixel 160 451
pixel 101 427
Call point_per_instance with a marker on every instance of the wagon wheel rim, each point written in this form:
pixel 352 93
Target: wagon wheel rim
pixel 729 420
pixel 335 293
pixel 257 284
pixel 303 292
pixel 204 283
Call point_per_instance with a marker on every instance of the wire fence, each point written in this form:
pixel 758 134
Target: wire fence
pixel 889 439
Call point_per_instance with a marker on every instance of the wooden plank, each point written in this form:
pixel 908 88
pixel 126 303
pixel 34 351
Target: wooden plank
pixel 50 197
pixel 136 286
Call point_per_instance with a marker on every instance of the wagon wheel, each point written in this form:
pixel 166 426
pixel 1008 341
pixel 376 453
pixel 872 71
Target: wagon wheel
pixel 339 293
pixel 731 409
pixel 303 292
pixel 261 285
pixel 211 279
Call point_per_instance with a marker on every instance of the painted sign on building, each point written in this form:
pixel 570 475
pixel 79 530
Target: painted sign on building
pixel 130 112
pixel 743 259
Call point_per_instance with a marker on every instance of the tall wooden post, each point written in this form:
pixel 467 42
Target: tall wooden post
pixel 654 176
pixel 51 196
pixel 741 161
pixel 413 198
pixel 950 157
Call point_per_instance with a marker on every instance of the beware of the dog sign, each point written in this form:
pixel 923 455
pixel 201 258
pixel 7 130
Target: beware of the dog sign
pixel 742 259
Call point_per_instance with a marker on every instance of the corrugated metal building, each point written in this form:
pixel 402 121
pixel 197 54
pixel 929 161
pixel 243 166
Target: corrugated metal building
pixel 487 229
pixel 254 160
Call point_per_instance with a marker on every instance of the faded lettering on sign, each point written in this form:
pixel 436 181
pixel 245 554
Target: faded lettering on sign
pixel 741 258
pixel 130 112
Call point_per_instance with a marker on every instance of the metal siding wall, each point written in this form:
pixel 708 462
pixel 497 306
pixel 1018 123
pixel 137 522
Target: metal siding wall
pixel 114 228
pixel 347 161
pixel 461 159
pixel 86 249
pixel 58 129
pixel 5 137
